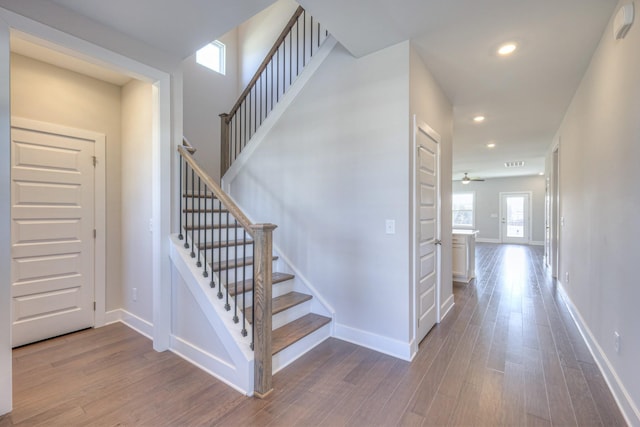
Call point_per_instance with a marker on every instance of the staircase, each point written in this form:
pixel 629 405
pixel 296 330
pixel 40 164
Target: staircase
pixel 273 314
pixel 254 302
pixel 229 257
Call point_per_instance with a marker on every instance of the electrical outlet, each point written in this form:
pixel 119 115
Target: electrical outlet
pixel 134 294
pixel 390 226
pixel 616 344
pixel 566 277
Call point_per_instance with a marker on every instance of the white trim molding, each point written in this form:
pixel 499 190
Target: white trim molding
pixel 379 343
pixel 484 240
pixel 627 406
pixel 134 322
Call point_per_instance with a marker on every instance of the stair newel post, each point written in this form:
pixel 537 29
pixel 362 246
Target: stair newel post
pixel 262 292
pixel 225 143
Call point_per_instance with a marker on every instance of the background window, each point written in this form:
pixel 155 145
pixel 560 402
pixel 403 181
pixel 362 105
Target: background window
pixel 463 209
pixel 212 56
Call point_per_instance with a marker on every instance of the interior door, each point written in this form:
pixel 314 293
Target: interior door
pixel 514 211
pixel 427 202
pixel 52 247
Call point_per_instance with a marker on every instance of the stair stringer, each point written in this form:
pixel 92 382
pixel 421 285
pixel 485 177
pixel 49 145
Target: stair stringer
pixel 278 110
pixel 240 373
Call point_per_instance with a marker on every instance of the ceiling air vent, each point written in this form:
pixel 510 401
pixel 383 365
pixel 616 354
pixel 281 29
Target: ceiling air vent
pixel 518 164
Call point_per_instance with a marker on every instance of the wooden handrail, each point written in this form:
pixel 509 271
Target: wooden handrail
pixel 262 236
pixel 190 148
pixel 217 191
pixel 267 60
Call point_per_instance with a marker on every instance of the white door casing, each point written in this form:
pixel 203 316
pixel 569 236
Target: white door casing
pixel 515 224
pixel 53 211
pixel 427 245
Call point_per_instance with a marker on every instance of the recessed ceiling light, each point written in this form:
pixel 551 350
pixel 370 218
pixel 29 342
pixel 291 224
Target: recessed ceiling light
pixel 507 49
pixel 478 119
pixel 541 174
pixel 491 145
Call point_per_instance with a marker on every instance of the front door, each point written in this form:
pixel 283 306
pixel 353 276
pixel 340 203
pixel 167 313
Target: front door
pixel 52 222
pixel 427 205
pixel 514 208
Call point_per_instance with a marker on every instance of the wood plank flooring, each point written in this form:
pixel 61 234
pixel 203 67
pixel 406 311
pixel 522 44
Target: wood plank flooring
pixel 507 354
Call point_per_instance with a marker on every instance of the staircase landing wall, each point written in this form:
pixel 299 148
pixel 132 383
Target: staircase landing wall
pixel 329 173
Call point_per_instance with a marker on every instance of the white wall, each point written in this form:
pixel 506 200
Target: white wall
pixel 257 35
pixel 208 94
pixel 488 203
pixel 5 225
pixel 189 323
pixel 429 103
pixel 136 244
pixel 332 170
pixel 51 94
pixel 600 241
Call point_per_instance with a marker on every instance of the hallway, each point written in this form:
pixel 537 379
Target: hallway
pixel 508 354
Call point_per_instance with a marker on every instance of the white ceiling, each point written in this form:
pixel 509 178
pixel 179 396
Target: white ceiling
pixel 523 96
pixel 176 27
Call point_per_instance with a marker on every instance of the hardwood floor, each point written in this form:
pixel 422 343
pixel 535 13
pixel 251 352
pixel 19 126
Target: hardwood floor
pixel 507 354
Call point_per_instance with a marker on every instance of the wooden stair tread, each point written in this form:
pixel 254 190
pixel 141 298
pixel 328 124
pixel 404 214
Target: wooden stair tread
pixel 281 303
pixel 247 285
pixel 198 195
pixel 224 244
pixel 233 263
pixel 209 226
pixel 206 211
pixel 293 332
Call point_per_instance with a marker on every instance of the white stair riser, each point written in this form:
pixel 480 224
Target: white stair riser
pixel 200 235
pixel 297 349
pixel 205 203
pixel 200 218
pixel 278 290
pixel 291 314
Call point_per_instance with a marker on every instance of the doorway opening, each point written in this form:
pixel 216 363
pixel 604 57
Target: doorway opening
pixel 515 217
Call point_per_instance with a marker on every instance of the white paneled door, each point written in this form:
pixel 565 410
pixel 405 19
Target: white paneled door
pixel 427 205
pixel 52 237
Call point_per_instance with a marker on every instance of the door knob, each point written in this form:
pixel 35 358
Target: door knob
pixel 437 242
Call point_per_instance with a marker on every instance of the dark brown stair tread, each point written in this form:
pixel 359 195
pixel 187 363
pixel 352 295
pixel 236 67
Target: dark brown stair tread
pixel 195 211
pixel 281 303
pixel 233 263
pixel 293 332
pixel 196 195
pixel 223 244
pixel 209 226
pixel 247 285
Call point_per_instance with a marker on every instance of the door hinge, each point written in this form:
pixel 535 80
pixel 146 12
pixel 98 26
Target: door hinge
pixel 95 161
pixel 94 306
pixel 95 233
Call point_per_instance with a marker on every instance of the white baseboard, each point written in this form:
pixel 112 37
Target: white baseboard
pixel 379 343
pixel 483 240
pixel 626 404
pixel 136 323
pixel 446 307
pixel 536 243
pixel 214 366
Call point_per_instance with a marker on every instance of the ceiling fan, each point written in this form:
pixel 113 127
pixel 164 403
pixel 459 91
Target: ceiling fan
pixel 466 179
